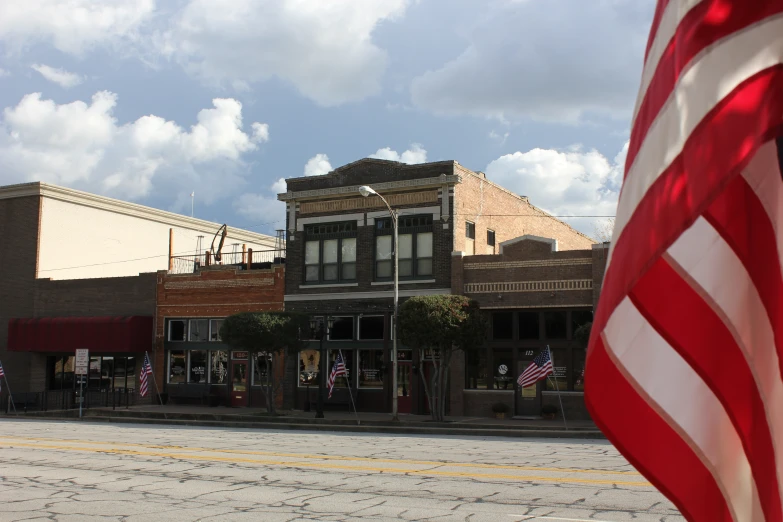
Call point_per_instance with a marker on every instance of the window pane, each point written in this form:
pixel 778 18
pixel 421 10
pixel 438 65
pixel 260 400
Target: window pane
pixel 503 376
pixel 130 370
pixel 119 373
pixel 383 247
pixel 370 368
pixel 107 372
pixel 424 244
pixel 198 366
pixel 491 237
pixel 56 377
pixel 214 329
pixel 341 382
pixel 528 325
pixel 578 368
pixel 424 267
pixel 555 325
pixel 476 369
pixel 330 251
pixel 260 360
pixel 330 272
pixel 405 242
pixel 177 367
pixel 560 371
pixel 470 230
pixel 199 330
pixel 349 250
pixel 349 271
pixel 342 329
pixel 502 325
pixel 176 330
pixel 406 267
pixel 580 317
pixel 311 273
pixel 371 327
pixel 311 252
pixel 309 364
pixel 218 365
pixel 68 371
pixel 383 269
pixel 94 375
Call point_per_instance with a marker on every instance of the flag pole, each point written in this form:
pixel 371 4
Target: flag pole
pixel 350 394
pixel 557 387
pixel 155 383
pixel 10 395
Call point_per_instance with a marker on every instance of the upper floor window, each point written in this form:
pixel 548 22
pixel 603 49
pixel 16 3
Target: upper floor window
pixel 415 244
pixel 470 238
pixel 330 252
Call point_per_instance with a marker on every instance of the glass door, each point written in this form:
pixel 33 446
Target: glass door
pixel 239 373
pixel 403 387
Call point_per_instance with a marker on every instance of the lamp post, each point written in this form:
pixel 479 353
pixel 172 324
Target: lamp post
pixel 318 327
pixel 369 191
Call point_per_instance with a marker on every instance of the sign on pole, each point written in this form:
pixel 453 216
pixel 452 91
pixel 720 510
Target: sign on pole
pixel 82 361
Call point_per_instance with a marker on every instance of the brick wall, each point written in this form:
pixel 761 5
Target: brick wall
pixel 600 257
pixel 19 219
pixel 110 296
pixel 369 171
pixel 492 207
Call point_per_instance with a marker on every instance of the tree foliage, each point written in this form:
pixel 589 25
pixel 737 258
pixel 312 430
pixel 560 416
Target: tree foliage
pixel 443 324
pixel 582 334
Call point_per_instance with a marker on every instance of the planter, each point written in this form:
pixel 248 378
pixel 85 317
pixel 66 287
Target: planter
pixel 499 415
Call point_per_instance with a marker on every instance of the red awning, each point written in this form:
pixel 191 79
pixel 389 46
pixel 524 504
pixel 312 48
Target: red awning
pixel 66 334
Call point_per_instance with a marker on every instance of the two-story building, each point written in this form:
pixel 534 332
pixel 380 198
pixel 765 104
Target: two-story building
pixel 340 266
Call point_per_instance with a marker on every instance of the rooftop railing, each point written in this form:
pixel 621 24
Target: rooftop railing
pixel 250 260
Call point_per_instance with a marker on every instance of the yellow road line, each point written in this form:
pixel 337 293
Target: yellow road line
pixel 337 457
pixel 316 465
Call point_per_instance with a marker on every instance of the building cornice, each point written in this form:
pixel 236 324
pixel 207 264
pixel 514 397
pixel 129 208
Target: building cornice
pixel 129 209
pixel 380 187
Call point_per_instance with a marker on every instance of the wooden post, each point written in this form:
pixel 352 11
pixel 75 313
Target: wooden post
pixel 171 249
pixel 244 253
pixel 207 258
pixel 249 258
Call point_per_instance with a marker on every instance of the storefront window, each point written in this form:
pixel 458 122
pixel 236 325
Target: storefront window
pixel 476 369
pixel 559 364
pixel 528 325
pixel 578 368
pixel 341 382
pixel 130 370
pixel 503 375
pixel 555 324
pixel 177 367
pixel 119 373
pixel 580 317
pixel 259 367
pixel 371 368
pixel 218 373
pixel 94 375
pixel 342 329
pixel 214 329
pixel 197 366
pixel 502 326
pixel 177 330
pixel 371 327
pixel 309 363
pixel 199 330
pixel 107 370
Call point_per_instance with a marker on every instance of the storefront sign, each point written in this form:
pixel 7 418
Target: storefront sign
pixel 239 355
pixel 530 392
pixel 430 354
pixel 310 360
pixel 502 369
pixel 82 361
pixel 560 371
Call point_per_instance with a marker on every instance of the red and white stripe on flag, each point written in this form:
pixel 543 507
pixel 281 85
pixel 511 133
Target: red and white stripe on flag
pixel 685 359
pixel 146 370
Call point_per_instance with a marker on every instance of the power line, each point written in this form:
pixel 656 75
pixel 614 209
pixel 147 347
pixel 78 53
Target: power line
pixel 117 262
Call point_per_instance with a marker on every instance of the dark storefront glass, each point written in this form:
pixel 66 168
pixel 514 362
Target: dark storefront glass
pixel 580 317
pixel 119 373
pixel 555 324
pixel 177 330
pixel 94 375
pixel 198 366
pixel 130 370
pixel 502 326
pixel 577 369
pixel 371 368
pixel 476 369
pixel 371 327
pixel 503 375
pixel 177 367
pixel 342 329
pixel 107 370
pixel 218 367
pixel 61 376
pixel 259 367
pixel 528 325
pixel 309 365
pixel 559 364
pixel 199 330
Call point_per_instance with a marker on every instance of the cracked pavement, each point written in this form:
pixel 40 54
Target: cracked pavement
pixel 81 471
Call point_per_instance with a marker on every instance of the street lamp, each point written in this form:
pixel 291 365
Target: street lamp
pixel 318 328
pixel 366 191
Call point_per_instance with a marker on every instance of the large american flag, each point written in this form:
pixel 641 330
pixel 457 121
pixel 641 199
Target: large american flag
pixel 686 353
pixel 146 370
pixel 337 370
pixel 538 369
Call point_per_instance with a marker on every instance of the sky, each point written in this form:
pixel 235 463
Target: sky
pixel 151 100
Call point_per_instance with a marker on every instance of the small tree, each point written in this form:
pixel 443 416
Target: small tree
pixel 441 324
pixel 273 334
pixel 603 230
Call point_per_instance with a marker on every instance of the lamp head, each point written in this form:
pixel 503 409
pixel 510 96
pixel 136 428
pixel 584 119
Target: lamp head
pixel 365 191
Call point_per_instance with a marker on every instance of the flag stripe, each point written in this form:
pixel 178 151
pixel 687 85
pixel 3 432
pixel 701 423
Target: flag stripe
pixel 695 493
pixel 710 158
pixel 693 39
pixel 632 339
pixel 728 376
pixel 658 19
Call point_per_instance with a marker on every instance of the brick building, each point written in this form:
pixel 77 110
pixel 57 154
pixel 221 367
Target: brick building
pixel 77 257
pixel 339 260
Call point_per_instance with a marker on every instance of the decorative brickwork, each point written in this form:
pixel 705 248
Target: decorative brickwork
pixel 528 286
pixel 341 205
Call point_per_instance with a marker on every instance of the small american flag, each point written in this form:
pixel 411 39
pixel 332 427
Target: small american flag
pixel 146 369
pixel 337 370
pixel 538 369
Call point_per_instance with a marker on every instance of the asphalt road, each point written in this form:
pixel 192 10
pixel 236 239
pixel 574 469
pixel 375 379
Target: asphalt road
pixel 78 471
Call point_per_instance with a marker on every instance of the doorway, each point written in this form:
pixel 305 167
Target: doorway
pixel 239 367
pixel 404 387
pixel 527 401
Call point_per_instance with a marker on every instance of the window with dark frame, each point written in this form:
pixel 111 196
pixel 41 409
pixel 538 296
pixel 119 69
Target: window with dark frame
pixel 502 326
pixel 330 252
pixel 415 240
pixel 177 330
pixel 342 329
pixel 198 330
pixel 491 237
pixel 476 369
pixel 470 230
pixel 371 327
pixel 528 325
pixel 555 324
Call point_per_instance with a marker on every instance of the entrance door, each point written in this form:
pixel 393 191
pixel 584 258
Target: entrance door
pixel 239 384
pixel 527 401
pixel 403 387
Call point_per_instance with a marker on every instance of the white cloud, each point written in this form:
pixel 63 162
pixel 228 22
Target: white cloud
pixel 500 138
pixel 324 49
pixel 82 145
pixel 415 154
pixel 74 26
pixel 318 165
pixel 571 182
pixel 264 209
pixel 279 186
pixel 61 77
pixel 3 72
pixel 551 61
